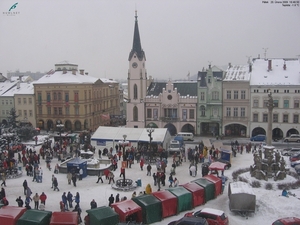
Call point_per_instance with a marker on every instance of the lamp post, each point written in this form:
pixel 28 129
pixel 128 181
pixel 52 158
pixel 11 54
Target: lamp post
pixel 60 126
pixel 150 130
pixel 123 145
pixel 270 118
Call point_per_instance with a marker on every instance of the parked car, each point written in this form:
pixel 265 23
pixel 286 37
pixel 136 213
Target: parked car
pixel 287 221
pixel 190 221
pixel 290 151
pixel 295 163
pixel 297 169
pixel 213 216
pixel 295 157
pixel 259 137
pixel 292 138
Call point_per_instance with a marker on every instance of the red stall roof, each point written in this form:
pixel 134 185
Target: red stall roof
pixel 198 193
pixel 168 201
pixel 9 215
pixel 64 218
pixel 217 182
pixel 126 208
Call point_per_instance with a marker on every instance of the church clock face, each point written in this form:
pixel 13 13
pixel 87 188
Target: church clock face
pixel 134 65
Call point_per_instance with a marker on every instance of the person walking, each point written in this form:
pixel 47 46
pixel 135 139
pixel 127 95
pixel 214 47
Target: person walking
pixel 122 172
pixel 149 170
pixel 43 198
pixel 52 179
pixel 99 178
pixel 118 197
pixel 111 200
pixel 142 164
pixel 55 184
pixel 3 180
pixel 77 199
pixel 69 177
pixel 176 182
pixel 111 177
pixel 36 199
pixel 154 178
pixel 93 204
pixel 25 185
pixel 80 174
pixel 20 201
pixel 65 201
pixel 171 180
pixel 70 199
pixel 74 179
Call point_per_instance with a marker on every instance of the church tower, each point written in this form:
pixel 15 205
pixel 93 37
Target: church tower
pixel 137 82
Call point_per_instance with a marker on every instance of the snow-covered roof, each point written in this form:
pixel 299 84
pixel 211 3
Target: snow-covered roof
pixel 238 72
pixel 23 78
pixel 105 80
pixel 241 187
pixel 4 86
pixel 21 88
pixel 60 77
pixel 276 74
pixel 212 211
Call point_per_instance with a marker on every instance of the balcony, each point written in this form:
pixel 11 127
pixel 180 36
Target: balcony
pixel 169 119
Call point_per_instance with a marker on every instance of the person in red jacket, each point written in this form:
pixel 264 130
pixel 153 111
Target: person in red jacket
pixel 142 163
pixel 43 198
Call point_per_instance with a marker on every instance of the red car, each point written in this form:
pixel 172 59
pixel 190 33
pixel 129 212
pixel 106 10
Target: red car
pixel 213 216
pixel 287 221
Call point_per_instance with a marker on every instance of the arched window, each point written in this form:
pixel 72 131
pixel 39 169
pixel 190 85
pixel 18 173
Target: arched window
pixel 135 113
pixel 135 92
pixel 202 110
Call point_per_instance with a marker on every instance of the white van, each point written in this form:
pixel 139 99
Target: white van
pixel 186 136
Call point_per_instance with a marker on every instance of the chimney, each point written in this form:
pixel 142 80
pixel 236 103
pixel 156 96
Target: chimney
pixel 258 56
pixel 64 70
pixel 270 65
pixel 81 72
pixel 250 67
pixel 18 85
pixel 86 73
pixel 284 66
pixel 74 71
pixel 229 65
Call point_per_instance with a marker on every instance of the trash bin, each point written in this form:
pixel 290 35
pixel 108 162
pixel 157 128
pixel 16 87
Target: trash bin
pixel 20 168
pixel 139 182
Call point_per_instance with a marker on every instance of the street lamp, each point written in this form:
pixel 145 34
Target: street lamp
pixel 150 130
pixel 270 118
pixel 60 126
pixel 124 145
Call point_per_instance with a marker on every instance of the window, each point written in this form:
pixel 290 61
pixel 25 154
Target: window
pixel 155 114
pixel 76 97
pixel 170 113
pixel 6 101
pixel 192 114
pixel 40 110
pixel 135 92
pixel 85 95
pixel 184 114
pixel 202 110
pixel 275 118
pixel 228 112
pixel 243 94
pixel 296 119
pixel 3 112
pixel 243 112
pixel 30 113
pixel 235 112
pixel 24 101
pixel 255 103
pixel 286 104
pixel 296 104
pixel 49 110
pixel 67 110
pixel 255 117
pixel 149 113
pixel 25 113
pixel 265 117
pixel 202 96
pixel 59 96
pixel 60 111
pixel 55 111
pixel 48 97
pixel 10 102
pixel 266 103
pixel 66 97
pixel 30 101
pixel 19 101
pixel 228 94
pixel 54 96
pixel 209 79
pixel 275 103
pixel 215 95
pixel 135 113
pixel 236 94
pixel 20 112
pixel 39 98
pixel 77 110
pixel 285 118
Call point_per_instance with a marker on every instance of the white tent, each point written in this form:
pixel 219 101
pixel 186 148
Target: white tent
pixel 116 134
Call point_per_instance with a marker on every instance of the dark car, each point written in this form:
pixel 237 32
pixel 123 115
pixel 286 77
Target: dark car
pixel 190 221
pixel 213 216
pixel 259 137
pixel 287 221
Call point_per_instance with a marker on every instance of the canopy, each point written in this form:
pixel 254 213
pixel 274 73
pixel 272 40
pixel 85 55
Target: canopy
pixel 241 197
pixel 35 217
pixel 217 166
pixel 209 188
pixel 65 218
pixel 103 215
pixel 76 164
pixel 9 215
pixel 217 182
pixel 168 202
pixel 128 208
pixel 151 208
pixel 207 143
pixel 184 198
pixel 103 134
pixel 197 192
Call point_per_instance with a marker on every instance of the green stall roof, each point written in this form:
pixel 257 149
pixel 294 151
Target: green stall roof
pixel 209 188
pixel 184 197
pixel 35 217
pixel 103 215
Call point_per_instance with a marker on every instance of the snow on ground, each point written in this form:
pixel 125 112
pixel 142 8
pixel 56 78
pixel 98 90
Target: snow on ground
pixel 270 205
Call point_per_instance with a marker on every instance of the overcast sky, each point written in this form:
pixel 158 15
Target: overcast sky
pixel 178 36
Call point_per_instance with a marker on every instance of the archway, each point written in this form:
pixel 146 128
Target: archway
pixel 171 128
pixel 236 129
pixel 77 125
pixel 291 131
pixel 188 128
pixel 41 124
pixel 50 125
pixel 258 130
pixel 68 125
pixel 277 134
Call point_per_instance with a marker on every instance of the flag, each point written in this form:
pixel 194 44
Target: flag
pixel 105 116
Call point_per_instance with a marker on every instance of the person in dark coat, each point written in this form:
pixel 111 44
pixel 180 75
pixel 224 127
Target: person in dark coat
pixel 99 178
pixel 77 199
pixel 2 193
pixel 78 210
pixel 25 185
pixel 70 199
pixel 20 201
pixel 55 184
pixel 65 201
pixel 74 179
pixel 118 197
pixel 111 200
pixel 205 171
pixel 93 204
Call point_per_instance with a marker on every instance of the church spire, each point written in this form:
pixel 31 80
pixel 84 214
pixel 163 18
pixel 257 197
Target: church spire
pixel 136 46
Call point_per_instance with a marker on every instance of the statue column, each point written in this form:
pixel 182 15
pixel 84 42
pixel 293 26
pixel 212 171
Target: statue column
pixel 270 119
